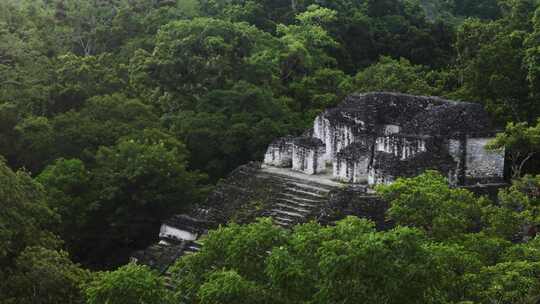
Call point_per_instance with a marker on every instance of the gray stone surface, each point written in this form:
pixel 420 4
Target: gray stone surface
pixel 308 155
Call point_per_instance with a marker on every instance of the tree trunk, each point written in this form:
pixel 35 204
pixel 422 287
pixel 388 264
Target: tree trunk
pixel 522 164
pixel 293 6
pixel 518 163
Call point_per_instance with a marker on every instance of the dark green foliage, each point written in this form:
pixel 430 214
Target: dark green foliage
pixel 427 202
pixel 118 204
pixel 24 216
pixel 444 213
pixel 49 274
pixel 79 78
pixel 521 142
pixel 230 127
pixel 305 265
pixel 29 256
pixel 129 284
pixel 102 121
pixel 398 76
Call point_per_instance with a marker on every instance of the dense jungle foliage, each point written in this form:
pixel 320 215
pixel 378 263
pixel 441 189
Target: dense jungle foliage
pixel 115 114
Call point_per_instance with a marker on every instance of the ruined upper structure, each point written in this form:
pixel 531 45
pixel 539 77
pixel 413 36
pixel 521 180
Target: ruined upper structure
pixel 374 138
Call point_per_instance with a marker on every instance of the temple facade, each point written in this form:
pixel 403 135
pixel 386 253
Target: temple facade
pixel 375 138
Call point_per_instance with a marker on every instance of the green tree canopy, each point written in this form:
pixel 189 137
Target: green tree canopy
pixel 29 260
pixel 346 263
pixel 117 205
pixel 25 218
pixel 427 202
pixel 46 276
pixel 193 57
pixel 127 285
pixel 521 142
pixel 397 76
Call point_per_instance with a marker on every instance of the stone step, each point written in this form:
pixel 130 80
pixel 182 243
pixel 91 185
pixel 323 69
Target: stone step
pixel 296 181
pixel 300 204
pixel 305 191
pixel 283 224
pixel 325 181
pixel 168 281
pixel 296 184
pixel 283 219
pixel 245 170
pixel 293 208
pixel 300 192
pixel 302 199
pixel 193 248
pixel 290 214
pixel 286 224
pixel 308 188
pixel 229 187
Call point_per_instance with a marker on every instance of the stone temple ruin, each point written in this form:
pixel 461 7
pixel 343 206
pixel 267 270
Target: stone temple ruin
pixel 329 172
pixel 375 138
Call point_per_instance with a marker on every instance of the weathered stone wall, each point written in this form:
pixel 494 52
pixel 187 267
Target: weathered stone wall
pixel 457 148
pixel 351 165
pixel 339 128
pixel 355 202
pixel 474 163
pixel 402 147
pixel 279 153
pixel 169 232
pixel 387 167
pixel 483 165
pixel 384 168
pixel 379 177
pixel 390 129
pixel 352 171
pixel 321 130
pixel 308 156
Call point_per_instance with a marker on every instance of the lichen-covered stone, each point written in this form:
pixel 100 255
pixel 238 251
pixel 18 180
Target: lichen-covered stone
pixel 279 153
pixel 355 202
pixel 352 163
pixel 308 155
pixel 482 165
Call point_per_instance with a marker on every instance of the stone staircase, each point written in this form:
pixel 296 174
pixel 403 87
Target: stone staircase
pixel 192 247
pixel 288 197
pixel 301 199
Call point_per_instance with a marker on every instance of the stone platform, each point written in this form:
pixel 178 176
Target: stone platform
pixel 325 179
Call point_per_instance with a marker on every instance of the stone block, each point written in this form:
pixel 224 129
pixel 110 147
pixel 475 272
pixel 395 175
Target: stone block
pixel 308 155
pixel 279 153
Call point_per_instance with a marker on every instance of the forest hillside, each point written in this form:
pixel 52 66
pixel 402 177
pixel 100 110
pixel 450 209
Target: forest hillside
pixel 117 114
